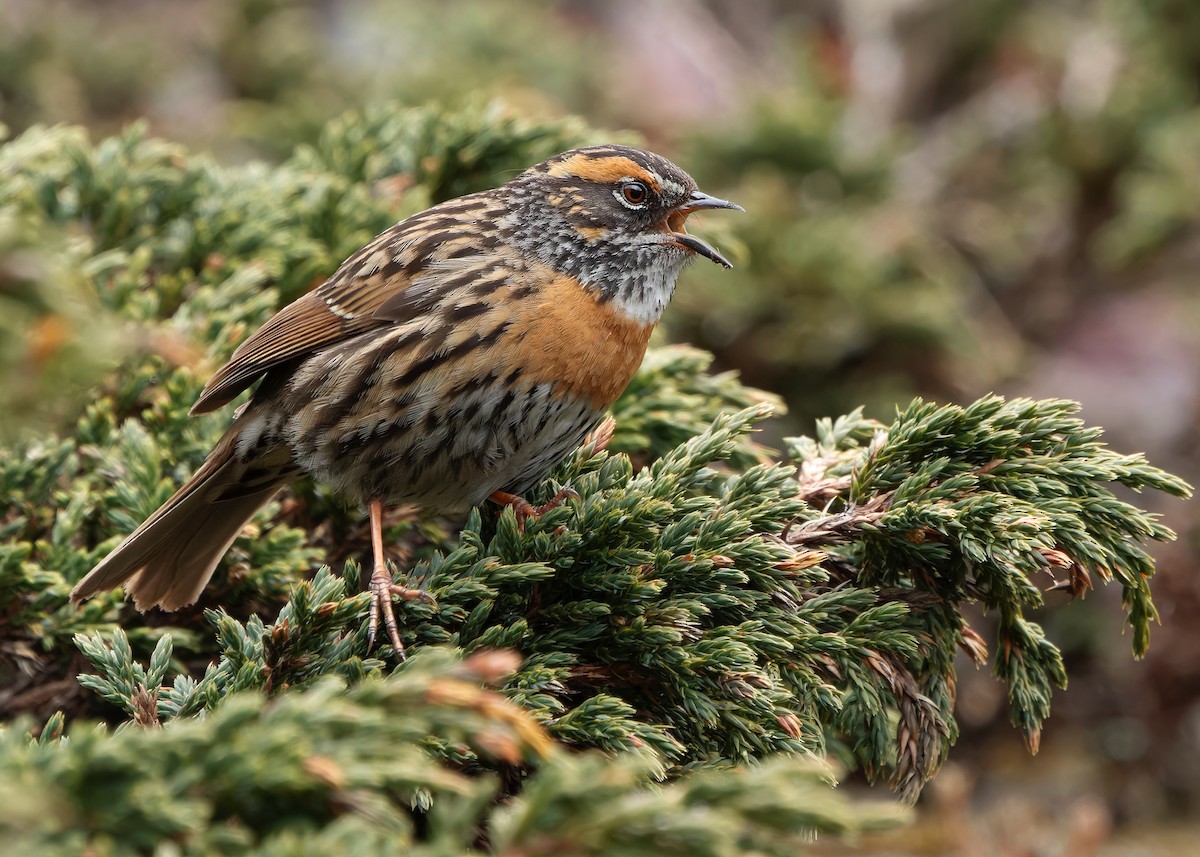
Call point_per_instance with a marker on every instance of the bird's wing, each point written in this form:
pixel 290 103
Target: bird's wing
pixel 385 282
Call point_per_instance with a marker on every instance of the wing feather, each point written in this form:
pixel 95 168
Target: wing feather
pixel 373 288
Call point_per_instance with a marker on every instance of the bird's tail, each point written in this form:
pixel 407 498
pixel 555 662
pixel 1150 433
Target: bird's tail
pixel 169 559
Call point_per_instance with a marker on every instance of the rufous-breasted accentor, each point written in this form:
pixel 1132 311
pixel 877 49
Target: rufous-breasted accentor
pixel 457 357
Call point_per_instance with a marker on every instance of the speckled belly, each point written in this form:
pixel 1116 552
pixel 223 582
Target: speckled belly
pixel 447 454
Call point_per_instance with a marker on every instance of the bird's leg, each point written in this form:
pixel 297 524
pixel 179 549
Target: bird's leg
pixel 525 510
pixel 383 587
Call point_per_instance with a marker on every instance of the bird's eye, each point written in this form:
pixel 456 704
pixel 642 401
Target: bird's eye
pixel 634 193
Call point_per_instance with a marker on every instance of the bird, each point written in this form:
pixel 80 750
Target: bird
pixel 456 358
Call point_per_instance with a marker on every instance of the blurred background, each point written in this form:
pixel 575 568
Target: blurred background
pixel 943 198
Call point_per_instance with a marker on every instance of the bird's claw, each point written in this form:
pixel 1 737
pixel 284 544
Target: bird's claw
pixel 524 510
pixel 383 589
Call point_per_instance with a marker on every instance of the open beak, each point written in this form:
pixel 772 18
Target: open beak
pixel 698 201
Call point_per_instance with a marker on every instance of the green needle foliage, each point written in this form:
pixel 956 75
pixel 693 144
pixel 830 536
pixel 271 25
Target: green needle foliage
pixel 333 770
pixel 680 645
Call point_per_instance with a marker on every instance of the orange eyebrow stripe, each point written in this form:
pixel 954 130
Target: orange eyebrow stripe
pixel 603 170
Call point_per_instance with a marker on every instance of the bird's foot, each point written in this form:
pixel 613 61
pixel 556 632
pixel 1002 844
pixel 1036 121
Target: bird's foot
pixel 525 510
pixel 383 590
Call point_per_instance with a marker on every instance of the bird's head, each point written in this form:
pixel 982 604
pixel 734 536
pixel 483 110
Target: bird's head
pixel 613 216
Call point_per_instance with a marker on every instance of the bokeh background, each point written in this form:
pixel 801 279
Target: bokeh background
pixel 944 198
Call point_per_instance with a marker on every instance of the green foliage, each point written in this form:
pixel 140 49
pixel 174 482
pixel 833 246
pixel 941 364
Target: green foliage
pixel 719 617
pixel 978 504
pixel 333 769
pixel 45 305
pixel 444 155
pixel 673 398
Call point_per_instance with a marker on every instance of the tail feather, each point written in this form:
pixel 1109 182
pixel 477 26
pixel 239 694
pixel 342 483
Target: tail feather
pixel 169 559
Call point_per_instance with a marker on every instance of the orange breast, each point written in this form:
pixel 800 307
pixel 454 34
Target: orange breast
pixel 562 334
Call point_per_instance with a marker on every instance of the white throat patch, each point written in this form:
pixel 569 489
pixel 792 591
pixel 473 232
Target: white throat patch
pixel 644 293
